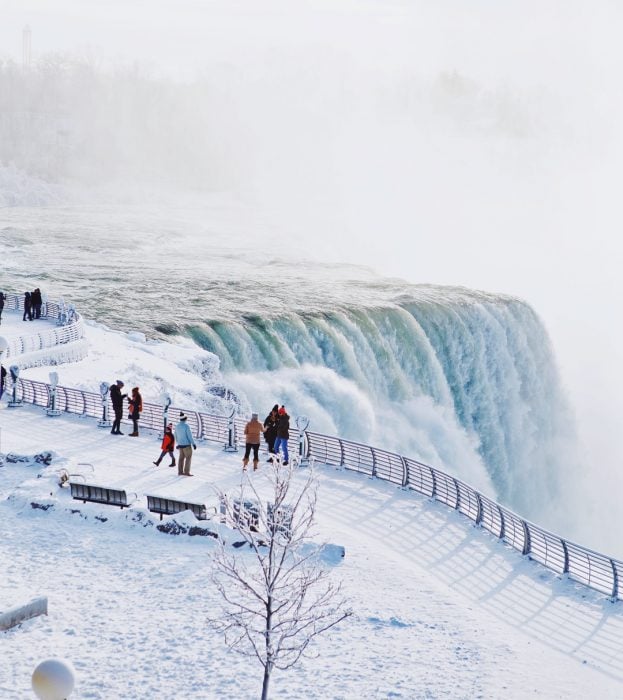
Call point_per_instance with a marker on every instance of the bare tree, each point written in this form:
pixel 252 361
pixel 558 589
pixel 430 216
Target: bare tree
pixel 276 598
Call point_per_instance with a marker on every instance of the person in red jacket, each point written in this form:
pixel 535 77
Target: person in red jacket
pixel 168 446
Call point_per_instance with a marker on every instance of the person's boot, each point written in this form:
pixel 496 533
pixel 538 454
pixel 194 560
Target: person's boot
pixel 157 462
pixel 245 461
pixel 172 463
pixel 255 463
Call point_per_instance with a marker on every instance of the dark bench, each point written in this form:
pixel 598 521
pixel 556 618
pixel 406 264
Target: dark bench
pixel 100 494
pixel 170 506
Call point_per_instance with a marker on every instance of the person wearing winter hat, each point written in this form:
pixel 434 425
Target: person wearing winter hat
pixel 168 445
pixel 283 433
pixel 185 444
pixel 252 433
pixel 116 398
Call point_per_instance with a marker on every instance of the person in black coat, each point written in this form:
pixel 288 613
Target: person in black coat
pixel 116 398
pixel 27 307
pixel 36 300
pixel 283 433
pixel 2 380
pixel 2 298
pixel 270 428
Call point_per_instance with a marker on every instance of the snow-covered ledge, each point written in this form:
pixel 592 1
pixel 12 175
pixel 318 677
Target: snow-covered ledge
pixel 59 335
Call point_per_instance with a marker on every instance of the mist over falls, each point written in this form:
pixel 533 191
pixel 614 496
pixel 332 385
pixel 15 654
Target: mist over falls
pixel 282 124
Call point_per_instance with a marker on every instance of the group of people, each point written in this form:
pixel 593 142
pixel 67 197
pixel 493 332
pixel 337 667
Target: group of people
pixel 135 407
pixel 276 431
pixel 33 301
pixel 182 435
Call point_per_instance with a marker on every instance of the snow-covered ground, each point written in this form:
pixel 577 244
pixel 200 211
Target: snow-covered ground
pixel 442 609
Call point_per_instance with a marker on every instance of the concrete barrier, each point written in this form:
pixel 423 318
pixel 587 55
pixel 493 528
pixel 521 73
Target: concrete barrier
pixel 12 617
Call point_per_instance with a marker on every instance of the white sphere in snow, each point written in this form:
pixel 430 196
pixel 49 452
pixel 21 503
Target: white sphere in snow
pixel 53 679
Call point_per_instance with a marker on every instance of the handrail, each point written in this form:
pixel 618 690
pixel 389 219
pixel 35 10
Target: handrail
pixel 72 328
pixel 590 568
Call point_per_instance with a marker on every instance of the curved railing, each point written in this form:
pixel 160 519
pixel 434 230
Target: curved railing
pixel 594 570
pixel 69 329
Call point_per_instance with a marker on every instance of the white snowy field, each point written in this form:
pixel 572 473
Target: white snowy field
pixel 442 609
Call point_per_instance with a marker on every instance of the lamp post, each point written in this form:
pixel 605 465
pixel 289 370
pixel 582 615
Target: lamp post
pixel 52 407
pixel 104 422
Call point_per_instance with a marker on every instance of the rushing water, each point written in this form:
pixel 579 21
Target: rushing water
pixel 461 379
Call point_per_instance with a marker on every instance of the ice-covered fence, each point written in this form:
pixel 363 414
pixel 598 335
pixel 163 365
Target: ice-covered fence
pixel 71 331
pixel 586 566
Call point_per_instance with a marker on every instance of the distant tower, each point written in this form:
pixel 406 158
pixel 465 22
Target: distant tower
pixel 26 41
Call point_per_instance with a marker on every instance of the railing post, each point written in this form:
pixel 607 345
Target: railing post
pixel 104 422
pixel 302 423
pixel 615 581
pixel 405 473
pixel 502 523
pixel 565 551
pixel 526 535
pixel 479 508
pixel 457 503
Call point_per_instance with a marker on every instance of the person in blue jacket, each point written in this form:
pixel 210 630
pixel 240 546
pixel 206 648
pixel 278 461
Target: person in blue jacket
pixel 283 433
pixel 185 444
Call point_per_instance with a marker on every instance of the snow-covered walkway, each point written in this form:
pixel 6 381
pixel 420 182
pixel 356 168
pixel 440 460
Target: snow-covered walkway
pixel 12 325
pixel 442 610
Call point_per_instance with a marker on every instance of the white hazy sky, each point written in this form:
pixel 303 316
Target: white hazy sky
pixel 510 186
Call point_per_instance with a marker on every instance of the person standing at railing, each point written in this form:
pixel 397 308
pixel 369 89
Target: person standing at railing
pixel 185 444
pixel 252 433
pixel 36 301
pixel 27 306
pixel 135 404
pixel 270 428
pixel 2 299
pixel 116 398
pixel 283 433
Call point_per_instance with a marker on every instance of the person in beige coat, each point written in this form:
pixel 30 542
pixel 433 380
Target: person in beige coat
pixel 252 433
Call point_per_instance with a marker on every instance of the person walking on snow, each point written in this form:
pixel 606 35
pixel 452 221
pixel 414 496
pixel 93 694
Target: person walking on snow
pixel 116 398
pixel 283 433
pixel 135 404
pixel 2 299
pixel 252 432
pixel 185 444
pixel 168 445
pixel 2 380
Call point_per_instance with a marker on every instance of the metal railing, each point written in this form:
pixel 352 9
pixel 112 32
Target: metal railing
pixel 590 568
pixel 72 328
